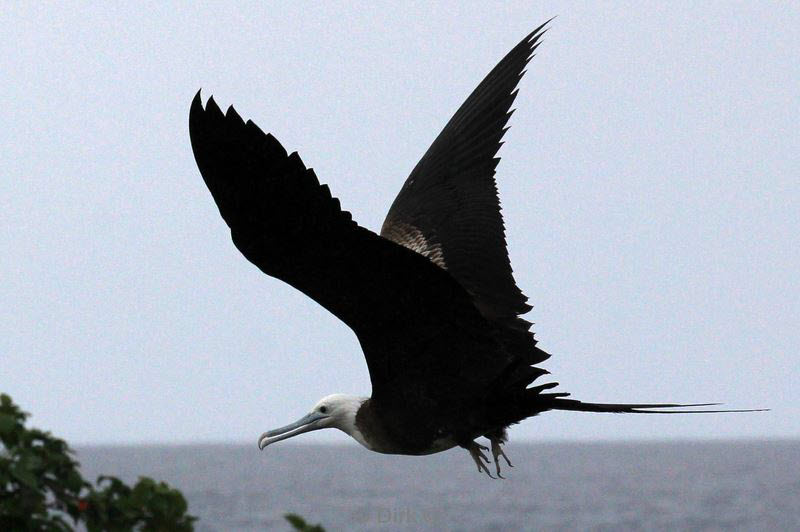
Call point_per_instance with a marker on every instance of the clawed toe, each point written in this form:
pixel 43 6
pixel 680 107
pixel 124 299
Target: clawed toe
pixel 497 452
pixel 476 452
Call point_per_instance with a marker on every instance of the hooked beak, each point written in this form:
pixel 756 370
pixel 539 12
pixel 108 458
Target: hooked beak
pixel 304 424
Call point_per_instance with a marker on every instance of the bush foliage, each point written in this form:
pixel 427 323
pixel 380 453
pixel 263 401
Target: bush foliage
pixel 41 487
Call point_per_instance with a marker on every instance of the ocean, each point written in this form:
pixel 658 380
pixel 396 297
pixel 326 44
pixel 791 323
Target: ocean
pixel 553 486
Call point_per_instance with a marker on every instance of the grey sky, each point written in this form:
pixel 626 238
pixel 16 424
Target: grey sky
pixel 650 183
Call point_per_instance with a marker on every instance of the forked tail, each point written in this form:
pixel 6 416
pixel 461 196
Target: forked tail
pixel 560 403
pixel 539 402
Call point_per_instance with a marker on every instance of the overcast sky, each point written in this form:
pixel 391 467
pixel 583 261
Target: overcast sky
pixel 650 184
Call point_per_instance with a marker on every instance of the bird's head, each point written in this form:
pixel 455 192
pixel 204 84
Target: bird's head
pixel 334 411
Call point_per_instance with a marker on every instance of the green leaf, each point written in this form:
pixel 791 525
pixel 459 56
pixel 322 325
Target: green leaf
pixel 7 423
pixel 24 475
pixel 298 523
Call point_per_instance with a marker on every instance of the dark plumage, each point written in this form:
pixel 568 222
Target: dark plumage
pixel 432 300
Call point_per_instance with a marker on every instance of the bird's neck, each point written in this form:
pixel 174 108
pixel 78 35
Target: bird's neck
pixel 347 421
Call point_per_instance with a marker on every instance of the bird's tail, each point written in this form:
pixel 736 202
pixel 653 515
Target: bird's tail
pixel 538 401
pixel 560 403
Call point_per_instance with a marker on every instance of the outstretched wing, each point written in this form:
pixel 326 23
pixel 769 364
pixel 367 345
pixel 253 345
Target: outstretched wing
pixel 401 306
pixel 448 209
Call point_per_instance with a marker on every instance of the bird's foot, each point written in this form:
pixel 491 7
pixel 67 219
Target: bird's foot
pixel 476 452
pixel 497 452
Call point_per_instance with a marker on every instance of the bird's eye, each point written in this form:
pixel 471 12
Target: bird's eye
pixel 323 409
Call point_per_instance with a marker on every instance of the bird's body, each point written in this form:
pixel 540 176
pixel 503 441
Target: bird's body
pixel 432 299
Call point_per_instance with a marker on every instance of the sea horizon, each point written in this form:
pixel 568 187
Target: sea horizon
pixel 554 485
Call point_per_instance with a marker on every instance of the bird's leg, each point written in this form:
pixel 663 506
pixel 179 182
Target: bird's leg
pixel 497 452
pixel 476 452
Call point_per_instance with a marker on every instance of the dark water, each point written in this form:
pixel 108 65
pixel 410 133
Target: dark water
pixel 554 486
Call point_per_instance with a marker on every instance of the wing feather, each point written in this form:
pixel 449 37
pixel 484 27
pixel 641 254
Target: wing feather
pixel 450 200
pixel 420 332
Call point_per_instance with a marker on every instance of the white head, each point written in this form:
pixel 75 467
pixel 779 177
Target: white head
pixel 334 411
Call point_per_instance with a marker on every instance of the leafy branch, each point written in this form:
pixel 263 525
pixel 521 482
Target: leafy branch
pixel 41 487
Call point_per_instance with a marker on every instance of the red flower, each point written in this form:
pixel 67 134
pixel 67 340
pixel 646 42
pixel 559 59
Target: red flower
pixel 83 505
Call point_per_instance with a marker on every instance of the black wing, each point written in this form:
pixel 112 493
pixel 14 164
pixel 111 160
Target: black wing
pixel 420 332
pixel 448 209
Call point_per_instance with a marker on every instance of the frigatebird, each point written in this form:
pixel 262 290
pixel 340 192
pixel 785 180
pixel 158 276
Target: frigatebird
pixel 432 299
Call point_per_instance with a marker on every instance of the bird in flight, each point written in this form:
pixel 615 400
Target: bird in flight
pixel 432 298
